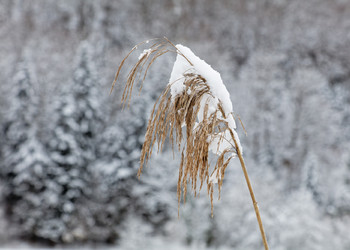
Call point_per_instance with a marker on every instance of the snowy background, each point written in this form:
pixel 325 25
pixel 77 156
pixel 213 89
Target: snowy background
pixel 69 155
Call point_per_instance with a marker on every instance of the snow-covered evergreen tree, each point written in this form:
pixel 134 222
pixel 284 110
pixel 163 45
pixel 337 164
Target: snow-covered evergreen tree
pixel 25 169
pixel 119 193
pixel 115 175
pixel 72 145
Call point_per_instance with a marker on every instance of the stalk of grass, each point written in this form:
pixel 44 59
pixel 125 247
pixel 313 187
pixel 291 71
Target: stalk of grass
pixel 171 113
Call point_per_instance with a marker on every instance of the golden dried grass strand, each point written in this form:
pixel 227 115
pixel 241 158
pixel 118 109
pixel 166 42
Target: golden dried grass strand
pixel 250 188
pixel 245 131
pixel 179 184
pixel 124 59
pixel 148 139
pixel 149 65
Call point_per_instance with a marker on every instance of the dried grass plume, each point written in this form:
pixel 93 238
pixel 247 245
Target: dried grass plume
pixel 194 114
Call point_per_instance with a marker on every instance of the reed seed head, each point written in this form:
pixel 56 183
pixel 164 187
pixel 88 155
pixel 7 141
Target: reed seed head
pixel 188 119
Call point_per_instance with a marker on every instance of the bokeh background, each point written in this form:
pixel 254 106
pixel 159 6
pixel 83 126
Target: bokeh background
pixel 69 154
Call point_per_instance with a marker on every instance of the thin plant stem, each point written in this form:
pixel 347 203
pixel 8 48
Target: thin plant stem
pixel 255 203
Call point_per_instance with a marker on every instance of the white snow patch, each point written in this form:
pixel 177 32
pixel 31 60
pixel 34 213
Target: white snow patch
pixel 200 67
pixel 145 52
pixel 183 66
